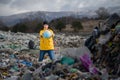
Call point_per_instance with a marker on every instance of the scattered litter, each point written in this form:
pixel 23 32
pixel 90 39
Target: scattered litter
pixel 19 54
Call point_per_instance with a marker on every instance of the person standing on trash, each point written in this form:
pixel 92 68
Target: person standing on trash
pixel 46 42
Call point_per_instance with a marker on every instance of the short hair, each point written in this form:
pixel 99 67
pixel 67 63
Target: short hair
pixel 45 22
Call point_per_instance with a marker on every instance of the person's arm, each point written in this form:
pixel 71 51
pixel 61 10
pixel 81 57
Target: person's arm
pixel 52 33
pixel 41 34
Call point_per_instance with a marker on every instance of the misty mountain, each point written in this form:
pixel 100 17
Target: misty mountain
pixel 42 15
pixel 39 15
pixel 17 18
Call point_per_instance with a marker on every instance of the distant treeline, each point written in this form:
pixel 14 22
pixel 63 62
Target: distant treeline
pixel 36 26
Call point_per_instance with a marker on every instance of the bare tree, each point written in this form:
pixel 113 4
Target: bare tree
pixel 102 13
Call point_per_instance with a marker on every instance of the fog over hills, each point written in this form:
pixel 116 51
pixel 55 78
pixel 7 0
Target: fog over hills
pixel 44 15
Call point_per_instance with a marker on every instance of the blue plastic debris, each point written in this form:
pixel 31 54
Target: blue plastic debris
pixel 28 64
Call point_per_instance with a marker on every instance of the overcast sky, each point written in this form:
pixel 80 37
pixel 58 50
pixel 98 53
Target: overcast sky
pixel 9 7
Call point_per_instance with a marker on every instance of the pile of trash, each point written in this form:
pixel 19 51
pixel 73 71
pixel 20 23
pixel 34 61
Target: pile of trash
pixel 12 64
pixel 19 41
pixel 104 44
pixel 25 66
pixel 99 59
pixel 68 41
pixel 19 54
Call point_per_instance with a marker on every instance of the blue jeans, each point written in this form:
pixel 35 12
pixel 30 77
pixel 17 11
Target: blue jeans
pixel 43 52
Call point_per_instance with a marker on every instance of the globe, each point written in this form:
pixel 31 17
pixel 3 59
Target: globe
pixel 47 34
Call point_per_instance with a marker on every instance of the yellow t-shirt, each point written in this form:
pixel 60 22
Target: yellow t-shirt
pixel 46 43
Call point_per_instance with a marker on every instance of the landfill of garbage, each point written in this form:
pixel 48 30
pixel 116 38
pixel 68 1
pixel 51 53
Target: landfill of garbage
pixel 95 57
pixel 104 44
